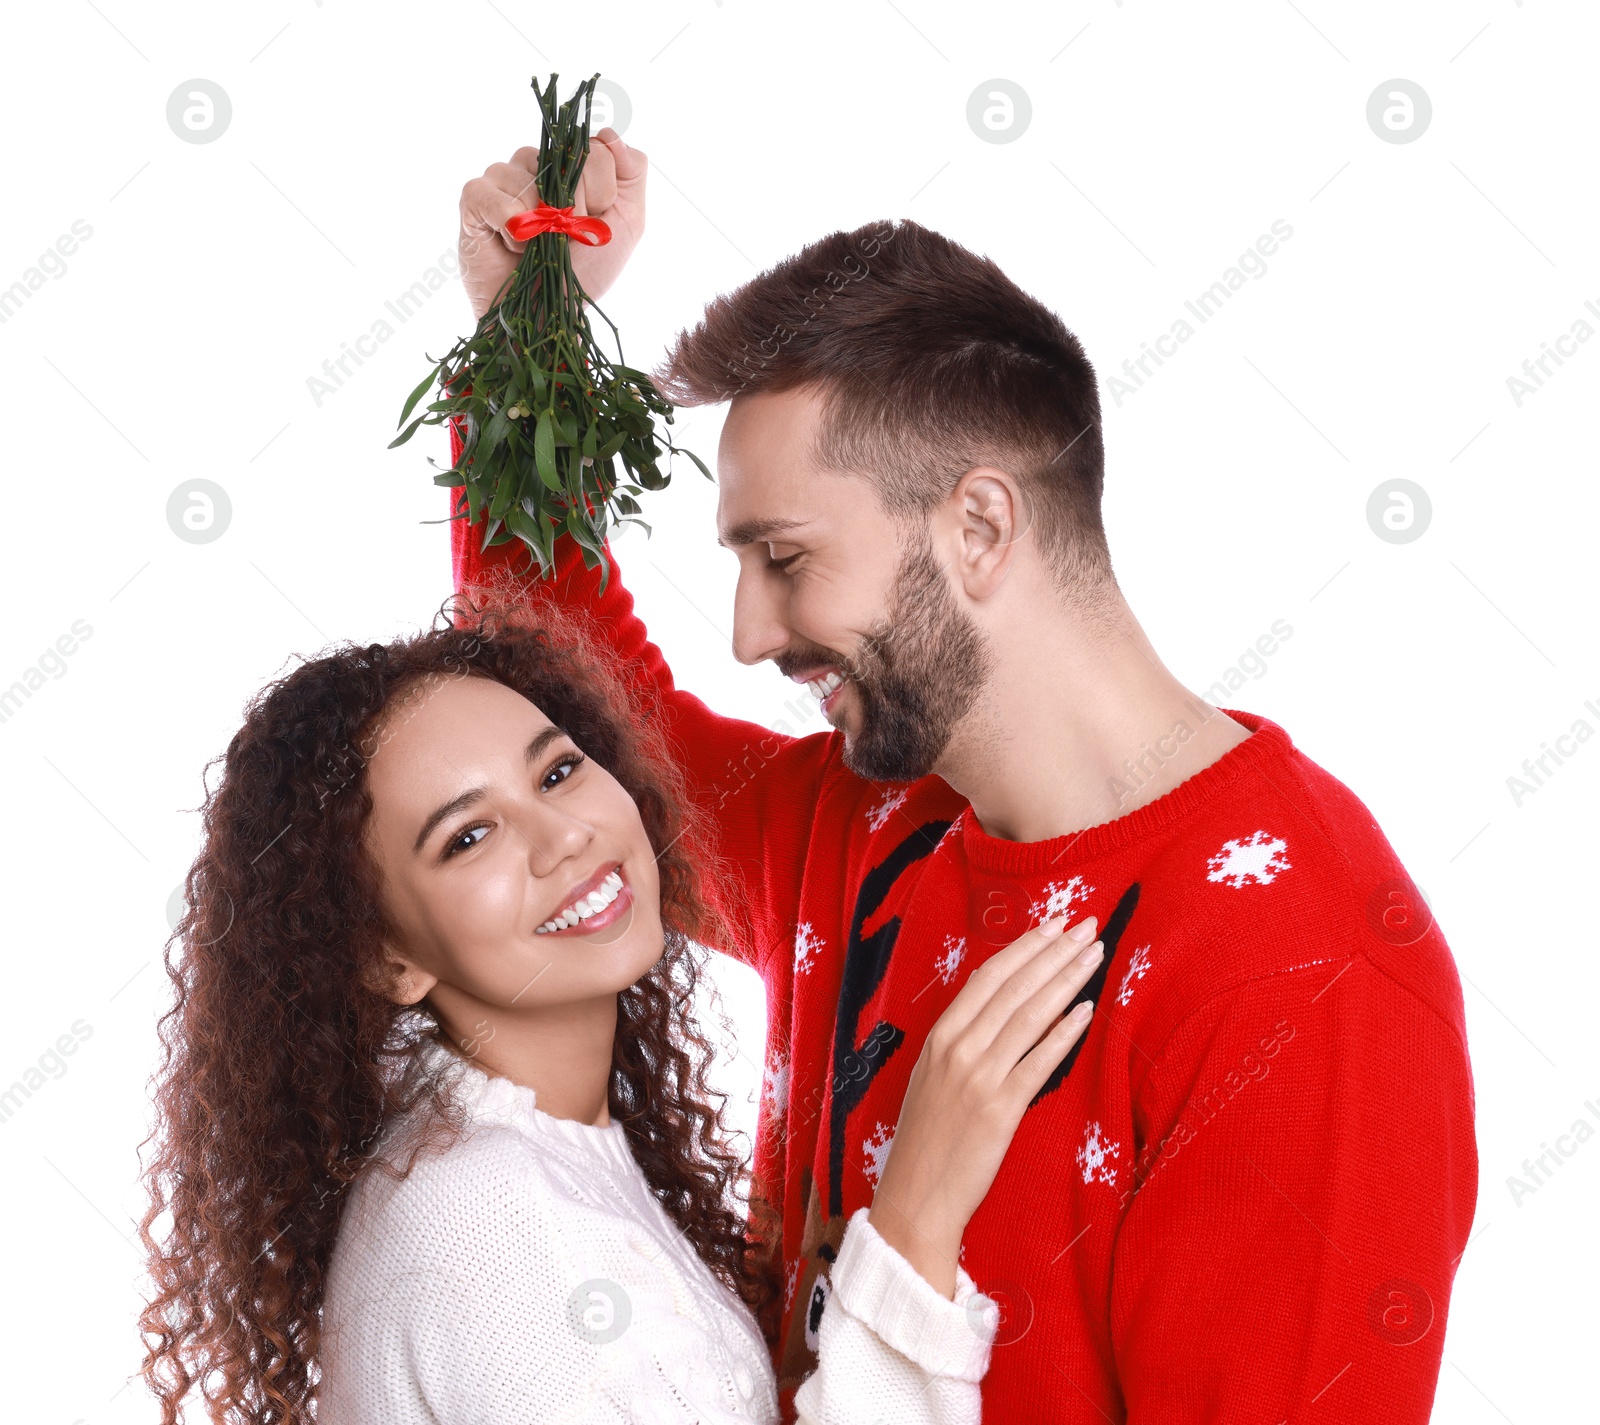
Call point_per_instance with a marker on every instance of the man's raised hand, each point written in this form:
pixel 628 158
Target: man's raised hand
pixel 612 187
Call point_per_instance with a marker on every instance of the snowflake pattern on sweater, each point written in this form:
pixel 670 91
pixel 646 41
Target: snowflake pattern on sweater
pixel 806 945
pixel 1097 1158
pixel 881 812
pixel 1257 860
pixel 775 1085
pixel 1138 966
pixel 875 1152
pixel 955 951
pixel 1061 898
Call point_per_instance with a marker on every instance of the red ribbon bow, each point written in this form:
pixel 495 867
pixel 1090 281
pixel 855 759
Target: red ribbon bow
pixel 545 219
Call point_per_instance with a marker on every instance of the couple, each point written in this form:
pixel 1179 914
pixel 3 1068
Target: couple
pixel 435 1138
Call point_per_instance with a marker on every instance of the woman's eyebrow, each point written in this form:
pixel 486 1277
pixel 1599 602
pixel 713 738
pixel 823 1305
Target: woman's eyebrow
pixel 541 739
pixel 450 808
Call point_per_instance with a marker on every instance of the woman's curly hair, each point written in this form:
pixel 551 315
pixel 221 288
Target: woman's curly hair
pixel 284 1060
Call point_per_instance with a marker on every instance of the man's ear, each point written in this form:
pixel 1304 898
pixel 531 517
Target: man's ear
pixel 398 979
pixel 993 514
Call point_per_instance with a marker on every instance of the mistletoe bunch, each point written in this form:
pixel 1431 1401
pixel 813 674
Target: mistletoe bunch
pixel 546 415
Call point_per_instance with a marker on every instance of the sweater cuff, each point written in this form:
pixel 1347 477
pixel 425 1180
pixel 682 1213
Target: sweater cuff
pixel 882 1290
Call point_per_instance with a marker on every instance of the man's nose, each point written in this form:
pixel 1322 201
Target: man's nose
pixel 760 631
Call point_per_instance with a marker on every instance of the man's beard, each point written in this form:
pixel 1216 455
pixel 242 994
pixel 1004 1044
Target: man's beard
pixel 916 674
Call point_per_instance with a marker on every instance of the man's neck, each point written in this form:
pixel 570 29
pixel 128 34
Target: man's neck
pixel 1080 724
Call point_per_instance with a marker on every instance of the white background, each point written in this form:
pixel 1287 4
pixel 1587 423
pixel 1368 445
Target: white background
pixel 1165 138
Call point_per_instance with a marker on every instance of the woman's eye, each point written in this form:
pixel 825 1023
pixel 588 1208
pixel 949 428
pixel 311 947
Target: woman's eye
pixel 783 564
pixel 467 840
pixel 564 768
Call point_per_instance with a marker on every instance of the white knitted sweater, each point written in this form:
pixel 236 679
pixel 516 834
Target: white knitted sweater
pixel 528 1274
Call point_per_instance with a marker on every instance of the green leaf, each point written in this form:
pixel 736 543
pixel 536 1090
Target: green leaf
pixel 528 531
pixel 679 450
pixel 583 528
pixel 612 446
pixel 590 439
pixel 575 526
pixel 516 389
pixel 567 423
pixel 407 433
pixel 453 478
pixel 544 450
pixel 416 396
pixel 494 433
pixel 470 441
pixel 525 529
pixel 504 496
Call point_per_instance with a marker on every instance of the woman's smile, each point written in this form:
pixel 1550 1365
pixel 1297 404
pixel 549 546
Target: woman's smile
pixel 599 902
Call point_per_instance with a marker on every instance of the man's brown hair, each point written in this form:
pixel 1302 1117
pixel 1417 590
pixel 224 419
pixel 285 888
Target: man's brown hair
pixel 929 361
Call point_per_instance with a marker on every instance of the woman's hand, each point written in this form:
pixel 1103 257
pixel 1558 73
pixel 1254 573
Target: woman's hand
pixel 611 187
pixel 984 1059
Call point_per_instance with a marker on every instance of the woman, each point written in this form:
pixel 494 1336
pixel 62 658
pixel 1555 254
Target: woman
pixel 434 1138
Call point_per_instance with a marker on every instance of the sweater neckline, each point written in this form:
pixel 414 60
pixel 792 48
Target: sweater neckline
pixel 1267 742
pixel 493 1098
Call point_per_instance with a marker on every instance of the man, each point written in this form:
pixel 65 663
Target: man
pixel 1243 1197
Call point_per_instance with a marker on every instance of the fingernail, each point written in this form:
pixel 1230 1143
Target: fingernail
pixel 1083 931
pixel 1093 955
pixel 1053 926
pixel 1084 1010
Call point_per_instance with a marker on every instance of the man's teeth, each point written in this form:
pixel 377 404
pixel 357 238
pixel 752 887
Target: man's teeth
pixel 826 684
pixel 592 904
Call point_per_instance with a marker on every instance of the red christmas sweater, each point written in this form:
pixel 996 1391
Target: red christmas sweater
pixel 1243 1196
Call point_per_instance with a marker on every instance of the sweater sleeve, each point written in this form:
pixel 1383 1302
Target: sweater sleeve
pixel 1304 1191
pixel 890 1348
pixel 759 789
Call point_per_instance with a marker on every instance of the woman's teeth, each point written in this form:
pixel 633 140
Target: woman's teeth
pixel 592 904
pixel 826 684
